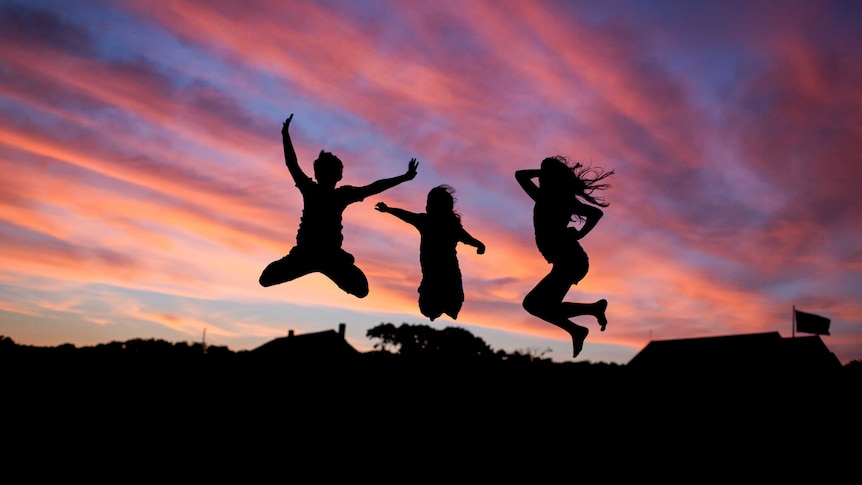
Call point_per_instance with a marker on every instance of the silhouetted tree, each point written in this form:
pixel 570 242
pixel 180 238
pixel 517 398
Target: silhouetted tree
pixel 527 355
pixel 425 341
pixel 218 351
pixel 109 349
pixel 6 343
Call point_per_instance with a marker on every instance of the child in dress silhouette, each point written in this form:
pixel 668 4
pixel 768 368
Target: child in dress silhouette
pixel 441 290
pixel 318 239
pixel 563 195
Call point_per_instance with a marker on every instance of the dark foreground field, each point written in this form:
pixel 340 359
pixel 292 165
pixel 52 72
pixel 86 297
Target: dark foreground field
pixel 386 411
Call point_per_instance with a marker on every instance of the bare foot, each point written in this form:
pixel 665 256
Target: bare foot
pixel 578 337
pixel 600 315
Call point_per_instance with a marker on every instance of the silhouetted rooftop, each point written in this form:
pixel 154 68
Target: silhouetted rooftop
pixel 325 345
pixel 747 352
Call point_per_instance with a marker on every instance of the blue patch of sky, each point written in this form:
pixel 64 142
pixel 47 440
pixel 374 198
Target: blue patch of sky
pixel 16 112
pixel 113 31
pixel 24 297
pixel 268 95
pixel 123 37
pixel 189 64
pixel 348 135
pixel 694 41
pixel 790 289
pixel 381 19
pixel 280 317
pixel 707 73
pixel 454 39
pixel 373 12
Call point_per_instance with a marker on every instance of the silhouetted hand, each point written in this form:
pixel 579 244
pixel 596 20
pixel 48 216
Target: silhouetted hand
pixel 411 169
pixel 480 249
pixel 382 207
pixel 286 125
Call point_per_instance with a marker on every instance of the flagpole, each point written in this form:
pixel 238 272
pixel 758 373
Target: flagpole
pixel 793 332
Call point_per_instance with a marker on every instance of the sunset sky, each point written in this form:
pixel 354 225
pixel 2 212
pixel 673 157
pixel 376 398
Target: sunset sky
pixel 144 189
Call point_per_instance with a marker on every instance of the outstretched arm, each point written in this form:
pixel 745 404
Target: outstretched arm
pixel 404 215
pixel 383 184
pixel 591 215
pixel 525 178
pixel 466 238
pixel 289 153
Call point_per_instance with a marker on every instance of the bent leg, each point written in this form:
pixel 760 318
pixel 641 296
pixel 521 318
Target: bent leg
pixel 545 301
pixel 570 271
pixel 596 309
pixel 285 269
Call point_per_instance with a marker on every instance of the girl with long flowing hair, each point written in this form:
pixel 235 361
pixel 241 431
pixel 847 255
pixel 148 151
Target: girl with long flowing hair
pixel 563 201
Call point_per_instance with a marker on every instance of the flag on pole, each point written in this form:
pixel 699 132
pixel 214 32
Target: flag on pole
pixel 811 323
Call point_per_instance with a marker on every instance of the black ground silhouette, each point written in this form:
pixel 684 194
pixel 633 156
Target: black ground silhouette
pixel 440 401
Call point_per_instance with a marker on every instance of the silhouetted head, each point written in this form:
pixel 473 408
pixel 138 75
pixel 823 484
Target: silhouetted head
pixel 441 200
pixel 328 169
pixel 556 174
pixel 573 180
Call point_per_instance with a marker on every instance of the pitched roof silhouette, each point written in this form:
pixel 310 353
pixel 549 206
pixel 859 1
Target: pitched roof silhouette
pixel 758 352
pixel 324 345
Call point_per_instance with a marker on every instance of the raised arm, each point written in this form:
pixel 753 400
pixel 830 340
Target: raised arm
pixel 290 154
pixel 384 184
pixel 525 178
pixel 405 215
pixel 591 215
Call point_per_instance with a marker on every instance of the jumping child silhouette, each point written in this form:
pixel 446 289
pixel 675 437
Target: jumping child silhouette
pixel 563 195
pixel 319 237
pixel 441 290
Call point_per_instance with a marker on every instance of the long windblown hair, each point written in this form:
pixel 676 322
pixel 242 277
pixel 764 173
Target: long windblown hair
pixel 576 179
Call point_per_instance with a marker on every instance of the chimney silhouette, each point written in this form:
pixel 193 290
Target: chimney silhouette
pixel 290 333
pixel 341 328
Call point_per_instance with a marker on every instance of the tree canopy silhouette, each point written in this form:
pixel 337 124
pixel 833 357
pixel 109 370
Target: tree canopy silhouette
pixel 426 341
